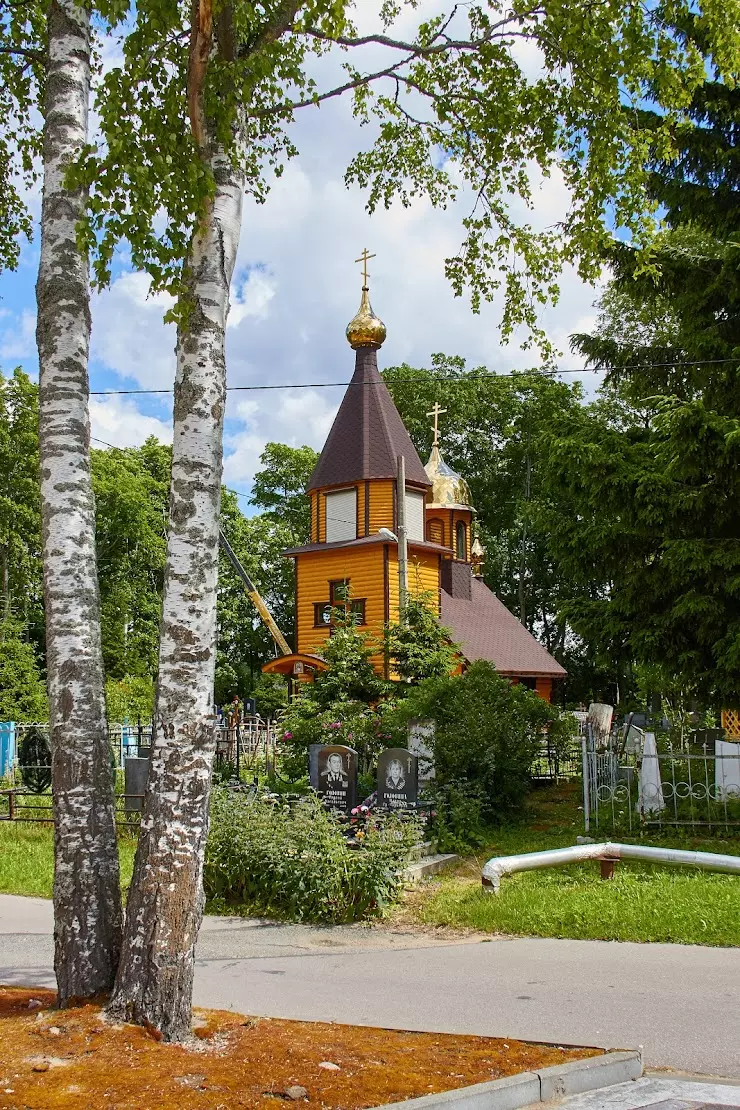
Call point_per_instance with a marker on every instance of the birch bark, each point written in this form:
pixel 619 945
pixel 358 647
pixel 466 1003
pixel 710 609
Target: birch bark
pixel 165 906
pixel 87 900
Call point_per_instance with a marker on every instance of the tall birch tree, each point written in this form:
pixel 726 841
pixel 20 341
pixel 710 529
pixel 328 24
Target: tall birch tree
pixel 87 899
pixel 199 110
pixel 165 907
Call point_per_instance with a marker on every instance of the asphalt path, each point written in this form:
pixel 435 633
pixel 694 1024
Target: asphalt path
pixel 681 1003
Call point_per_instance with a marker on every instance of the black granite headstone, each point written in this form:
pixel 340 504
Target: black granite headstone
pixel 398 779
pixel 337 776
pixel 136 772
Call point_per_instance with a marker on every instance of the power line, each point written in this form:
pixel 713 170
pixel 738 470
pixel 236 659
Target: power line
pixel 96 439
pixel 431 377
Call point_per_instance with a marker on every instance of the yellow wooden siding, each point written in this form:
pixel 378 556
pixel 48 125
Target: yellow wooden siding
pixel 361 509
pixel 449 520
pixel 381 505
pixel 393 590
pixel 321 510
pixel 363 567
pixel 424 576
pixel 314 498
pixel 435 530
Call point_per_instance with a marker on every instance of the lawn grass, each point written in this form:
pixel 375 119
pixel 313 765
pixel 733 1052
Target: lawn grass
pixel 27 858
pixel 639 904
pixel 642 903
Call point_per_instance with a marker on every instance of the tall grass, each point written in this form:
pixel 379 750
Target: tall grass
pixel 27 858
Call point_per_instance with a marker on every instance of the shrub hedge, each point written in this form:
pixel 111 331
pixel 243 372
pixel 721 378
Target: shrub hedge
pixel 294 861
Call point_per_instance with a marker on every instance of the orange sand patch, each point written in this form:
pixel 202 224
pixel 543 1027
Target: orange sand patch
pixel 77 1060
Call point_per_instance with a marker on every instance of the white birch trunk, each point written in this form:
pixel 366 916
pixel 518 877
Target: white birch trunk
pixel 87 900
pixel 165 906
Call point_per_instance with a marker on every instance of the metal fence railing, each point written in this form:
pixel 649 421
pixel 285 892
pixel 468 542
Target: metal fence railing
pixel 20 804
pixel 651 782
pixel 245 746
pixel 557 764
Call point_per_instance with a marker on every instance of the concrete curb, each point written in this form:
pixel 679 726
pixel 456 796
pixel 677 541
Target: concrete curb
pixel 531 1087
pixel 426 866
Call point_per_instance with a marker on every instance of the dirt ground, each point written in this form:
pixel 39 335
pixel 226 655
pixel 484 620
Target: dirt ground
pixel 78 1060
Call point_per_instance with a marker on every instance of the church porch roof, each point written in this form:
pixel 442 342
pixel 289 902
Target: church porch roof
pixel 485 629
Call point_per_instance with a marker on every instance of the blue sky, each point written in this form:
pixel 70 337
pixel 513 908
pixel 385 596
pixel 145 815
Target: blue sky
pixel 296 286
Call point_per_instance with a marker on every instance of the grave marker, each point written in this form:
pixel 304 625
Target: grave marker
pixel 398 779
pixel 337 776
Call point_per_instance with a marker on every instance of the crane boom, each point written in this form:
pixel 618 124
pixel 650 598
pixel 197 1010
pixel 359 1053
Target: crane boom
pixel 254 596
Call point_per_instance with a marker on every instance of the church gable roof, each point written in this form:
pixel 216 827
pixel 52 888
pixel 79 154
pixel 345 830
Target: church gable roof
pixel 367 435
pixel 485 629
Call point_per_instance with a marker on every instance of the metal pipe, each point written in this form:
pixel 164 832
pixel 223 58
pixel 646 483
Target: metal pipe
pixel 586 786
pixel 561 857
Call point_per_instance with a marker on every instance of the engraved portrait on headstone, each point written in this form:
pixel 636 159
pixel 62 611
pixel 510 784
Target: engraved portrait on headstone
pixel 337 776
pixel 398 778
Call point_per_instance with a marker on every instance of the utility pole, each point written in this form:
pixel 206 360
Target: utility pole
pixel 403 550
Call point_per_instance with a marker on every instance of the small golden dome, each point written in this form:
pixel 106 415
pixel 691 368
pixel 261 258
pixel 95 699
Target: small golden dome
pixel 449 490
pixel 366 329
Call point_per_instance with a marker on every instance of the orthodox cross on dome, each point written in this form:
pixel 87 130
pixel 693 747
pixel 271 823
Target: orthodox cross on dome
pixel 364 257
pixel 436 413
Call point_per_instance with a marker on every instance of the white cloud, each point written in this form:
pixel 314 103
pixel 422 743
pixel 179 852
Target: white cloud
pixel 250 296
pixel 18 340
pixel 296 417
pixel 119 423
pixel 129 335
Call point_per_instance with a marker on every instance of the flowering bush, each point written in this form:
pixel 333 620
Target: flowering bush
pixel 296 861
pixel 367 729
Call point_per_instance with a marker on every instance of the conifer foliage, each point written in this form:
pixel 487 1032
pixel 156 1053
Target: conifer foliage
pixel 34 759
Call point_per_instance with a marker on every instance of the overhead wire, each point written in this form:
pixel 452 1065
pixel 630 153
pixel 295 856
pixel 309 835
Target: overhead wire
pixel 465 378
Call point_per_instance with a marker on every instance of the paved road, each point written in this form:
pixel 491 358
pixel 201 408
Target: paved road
pixel 652 1093
pixel 682 1003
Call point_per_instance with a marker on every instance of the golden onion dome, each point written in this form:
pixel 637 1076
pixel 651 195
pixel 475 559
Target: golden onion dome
pixel 365 329
pixel 449 490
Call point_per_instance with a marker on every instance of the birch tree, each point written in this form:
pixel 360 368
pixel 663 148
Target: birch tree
pixel 199 110
pixel 87 900
pixel 155 977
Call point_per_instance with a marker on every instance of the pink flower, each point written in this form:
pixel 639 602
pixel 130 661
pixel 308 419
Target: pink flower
pixel 287 736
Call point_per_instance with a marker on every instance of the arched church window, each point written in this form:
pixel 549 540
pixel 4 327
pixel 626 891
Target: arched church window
pixel 461 540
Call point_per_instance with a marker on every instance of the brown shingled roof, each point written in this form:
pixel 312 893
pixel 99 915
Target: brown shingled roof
pixel 485 629
pixel 367 435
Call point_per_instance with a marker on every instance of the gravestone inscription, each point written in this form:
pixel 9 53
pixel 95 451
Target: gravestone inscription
pixel 398 779
pixel 337 776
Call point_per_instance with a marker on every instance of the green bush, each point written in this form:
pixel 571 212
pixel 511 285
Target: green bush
pixel 295 862
pixel 487 732
pixel 359 726
pixel 457 824
pixel 22 690
pixel 130 698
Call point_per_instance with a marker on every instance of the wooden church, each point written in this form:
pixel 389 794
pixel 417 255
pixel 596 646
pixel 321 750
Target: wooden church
pixel 356 554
